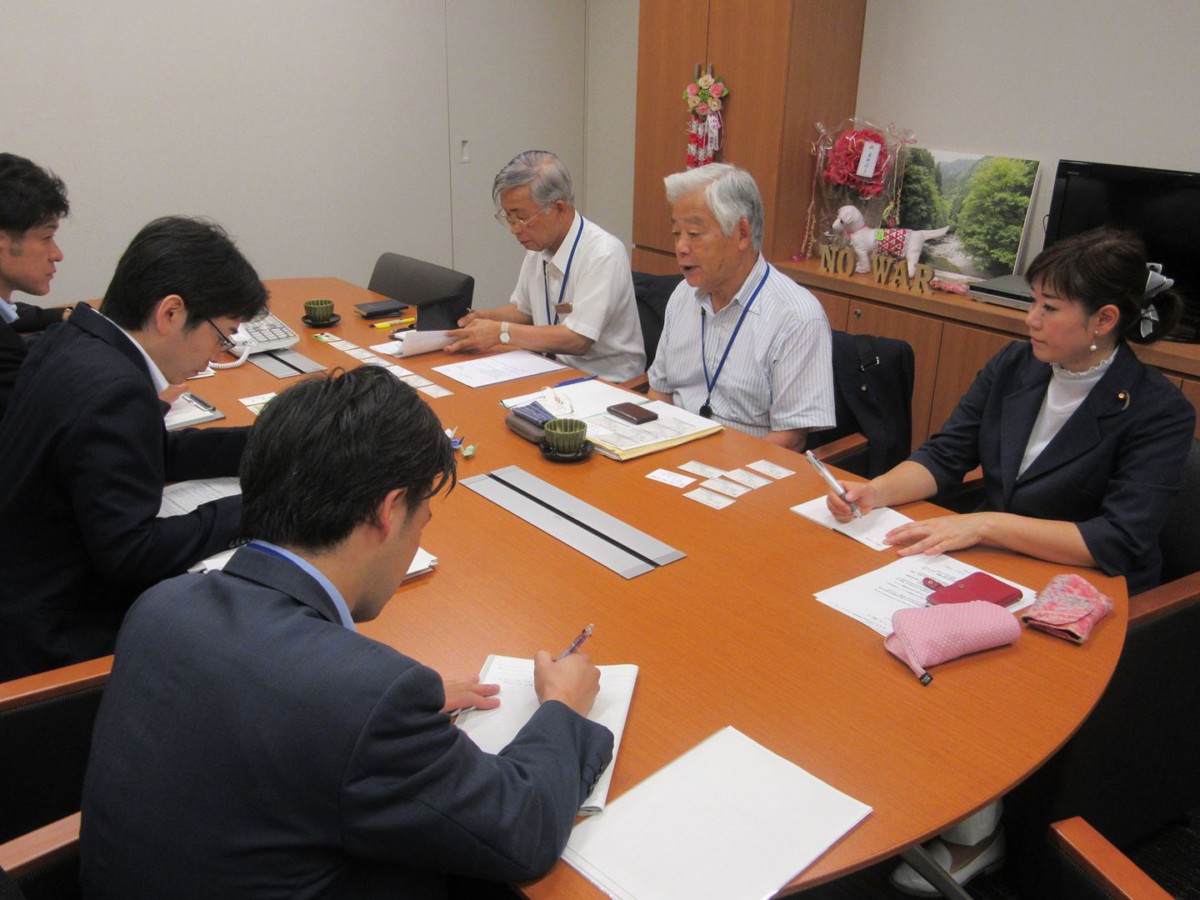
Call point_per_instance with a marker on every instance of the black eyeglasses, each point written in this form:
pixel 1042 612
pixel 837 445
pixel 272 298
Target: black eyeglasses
pixel 226 344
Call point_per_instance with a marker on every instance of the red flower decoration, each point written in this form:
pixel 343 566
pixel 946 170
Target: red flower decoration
pixel 841 166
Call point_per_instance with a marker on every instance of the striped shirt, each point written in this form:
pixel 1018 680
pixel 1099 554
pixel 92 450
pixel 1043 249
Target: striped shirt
pixel 779 374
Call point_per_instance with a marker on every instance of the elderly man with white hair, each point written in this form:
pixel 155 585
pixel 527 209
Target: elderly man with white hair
pixel 742 343
pixel 574 296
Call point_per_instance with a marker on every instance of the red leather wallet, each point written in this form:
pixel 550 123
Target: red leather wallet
pixel 976 586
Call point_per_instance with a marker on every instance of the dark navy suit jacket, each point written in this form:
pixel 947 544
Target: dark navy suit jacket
pixel 248 745
pixel 1113 469
pixel 86 457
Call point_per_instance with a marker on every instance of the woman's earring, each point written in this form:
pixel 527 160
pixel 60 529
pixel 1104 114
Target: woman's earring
pixel 1093 347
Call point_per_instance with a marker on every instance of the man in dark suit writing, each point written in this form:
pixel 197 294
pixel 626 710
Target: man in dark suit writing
pixel 86 453
pixel 251 744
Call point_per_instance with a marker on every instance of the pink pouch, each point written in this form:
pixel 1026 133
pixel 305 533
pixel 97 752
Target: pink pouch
pixel 1068 607
pixel 926 636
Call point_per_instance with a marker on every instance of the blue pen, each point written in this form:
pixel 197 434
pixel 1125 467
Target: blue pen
pixel 575 381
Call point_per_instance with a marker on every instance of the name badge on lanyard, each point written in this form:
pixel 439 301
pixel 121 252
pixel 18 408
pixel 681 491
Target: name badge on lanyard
pixel 561 308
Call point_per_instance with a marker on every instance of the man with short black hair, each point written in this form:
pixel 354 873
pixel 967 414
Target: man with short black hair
pixel 86 453
pixel 574 294
pixel 32 200
pixel 251 744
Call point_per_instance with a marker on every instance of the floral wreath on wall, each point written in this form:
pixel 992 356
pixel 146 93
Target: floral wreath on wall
pixel 858 164
pixel 705 98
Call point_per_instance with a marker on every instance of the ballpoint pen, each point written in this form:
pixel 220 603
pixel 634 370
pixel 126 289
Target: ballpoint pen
pixel 832 482
pixel 575 380
pixel 575 644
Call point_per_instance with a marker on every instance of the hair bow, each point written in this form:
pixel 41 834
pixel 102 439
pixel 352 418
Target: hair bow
pixel 1156 281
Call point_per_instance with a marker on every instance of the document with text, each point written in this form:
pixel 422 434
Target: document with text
pixel 498 367
pixel 873 598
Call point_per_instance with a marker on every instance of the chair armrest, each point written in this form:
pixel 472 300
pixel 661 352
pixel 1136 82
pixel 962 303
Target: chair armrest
pixel 55 683
pixel 40 847
pixel 837 451
pixel 1107 865
pixel 639 383
pixel 1152 603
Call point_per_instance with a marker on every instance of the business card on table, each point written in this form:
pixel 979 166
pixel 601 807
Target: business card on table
pixel 708 498
pixel 668 477
pixel 360 353
pixel 728 488
pixel 748 479
pixel 256 403
pixel 769 468
pixel 699 468
pixel 416 381
pixel 326 337
pixel 346 346
pixel 399 371
pixel 434 390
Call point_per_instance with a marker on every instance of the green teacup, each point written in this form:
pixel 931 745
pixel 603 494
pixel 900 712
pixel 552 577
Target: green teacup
pixel 565 437
pixel 318 311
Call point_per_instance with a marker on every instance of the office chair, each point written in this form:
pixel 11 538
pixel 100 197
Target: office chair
pixel 441 296
pixel 652 293
pixel 1131 768
pixel 42 865
pixel 45 735
pixel 1091 867
pixel 873 386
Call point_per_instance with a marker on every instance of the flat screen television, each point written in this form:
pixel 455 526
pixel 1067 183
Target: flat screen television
pixel 1160 205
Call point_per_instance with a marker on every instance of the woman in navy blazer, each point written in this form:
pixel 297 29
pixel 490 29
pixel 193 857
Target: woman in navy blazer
pixel 1082 448
pixel 1081 445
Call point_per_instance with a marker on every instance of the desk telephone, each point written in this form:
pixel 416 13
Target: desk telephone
pixel 262 333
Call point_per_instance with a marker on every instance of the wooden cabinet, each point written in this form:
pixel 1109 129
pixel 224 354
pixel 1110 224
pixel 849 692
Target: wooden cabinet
pixel 788 64
pixel 953 337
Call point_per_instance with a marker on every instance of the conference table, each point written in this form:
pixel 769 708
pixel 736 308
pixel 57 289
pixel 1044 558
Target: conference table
pixel 730 634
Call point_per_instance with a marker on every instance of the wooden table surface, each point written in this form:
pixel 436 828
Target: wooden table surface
pixel 729 635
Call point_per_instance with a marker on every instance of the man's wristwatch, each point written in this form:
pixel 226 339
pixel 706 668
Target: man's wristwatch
pixel 505 337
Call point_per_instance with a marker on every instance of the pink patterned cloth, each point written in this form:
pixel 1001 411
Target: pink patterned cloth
pixel 1068 607
pixel 925 636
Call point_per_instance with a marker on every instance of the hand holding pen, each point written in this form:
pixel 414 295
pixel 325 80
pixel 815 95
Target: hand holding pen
pixel 570 678
pixel 833 483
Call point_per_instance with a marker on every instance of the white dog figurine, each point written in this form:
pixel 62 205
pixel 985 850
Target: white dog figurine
pixel 902 243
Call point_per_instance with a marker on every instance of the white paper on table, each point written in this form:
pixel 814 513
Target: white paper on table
pixel 704 471
pixel 184 496
pixel 672 478
pixel 423 562
pixel 728 488
pixel 873 598
pixel 769 468
pixel 497 368
pixel 870 529
pixel 708 498
pixel 578 400
pixel 747 479
pixel 494 729
pixel 414 343
pixel 727 819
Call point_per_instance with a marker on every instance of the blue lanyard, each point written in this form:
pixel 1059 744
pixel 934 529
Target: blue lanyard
pixel 562 289
pixel 710 383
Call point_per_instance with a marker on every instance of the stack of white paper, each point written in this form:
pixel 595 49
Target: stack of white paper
pixel 727 819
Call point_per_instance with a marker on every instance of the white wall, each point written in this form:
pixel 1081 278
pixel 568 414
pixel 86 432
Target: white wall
pixel 303 126
pixel 1096 80
pixel 612 36
pixel 319 132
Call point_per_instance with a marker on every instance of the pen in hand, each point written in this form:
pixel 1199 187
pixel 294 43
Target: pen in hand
pixel 575 644
pixel 832 482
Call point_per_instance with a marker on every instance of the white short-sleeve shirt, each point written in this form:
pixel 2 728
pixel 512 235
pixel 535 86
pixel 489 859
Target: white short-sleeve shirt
pixel 597 302
pixel 779 373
